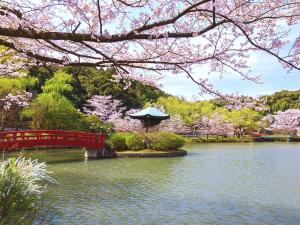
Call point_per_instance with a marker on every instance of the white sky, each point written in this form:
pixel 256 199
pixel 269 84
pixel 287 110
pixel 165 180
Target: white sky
pixel 274 78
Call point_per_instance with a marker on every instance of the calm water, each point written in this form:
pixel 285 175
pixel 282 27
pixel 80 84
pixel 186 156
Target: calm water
pixel 215 184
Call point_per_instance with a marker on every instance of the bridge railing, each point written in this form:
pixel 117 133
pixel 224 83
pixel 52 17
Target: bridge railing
pixel 34 138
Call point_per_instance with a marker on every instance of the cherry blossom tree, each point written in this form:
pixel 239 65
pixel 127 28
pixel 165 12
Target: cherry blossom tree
pixel 109 110
pixel 214 125
pixel 287 122
pixel 10 106
pixel 105 107
pixel 237 102
pixel 143 38
pixel 125 123
pixel 174 124
pixel 19 100
pixel 11 63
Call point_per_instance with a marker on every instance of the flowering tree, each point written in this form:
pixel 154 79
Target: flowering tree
pixel 10 105
pixel 150 35
pixel 174 124
pixel 109 110
pixel 105 107
pixel 214 125
pixel 238 102
pixel 284 122
pixel 11 100
pixel 125 123
pixel 10 62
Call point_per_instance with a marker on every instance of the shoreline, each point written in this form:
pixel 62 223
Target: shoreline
pixel 150 153
pixel 284 139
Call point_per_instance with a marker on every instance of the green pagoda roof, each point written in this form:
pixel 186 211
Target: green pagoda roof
pixel 148 113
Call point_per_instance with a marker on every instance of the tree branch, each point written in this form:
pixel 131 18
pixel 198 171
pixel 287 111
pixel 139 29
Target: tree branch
pixel 99 17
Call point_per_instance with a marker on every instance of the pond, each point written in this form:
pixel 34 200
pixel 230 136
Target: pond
pixel 252 183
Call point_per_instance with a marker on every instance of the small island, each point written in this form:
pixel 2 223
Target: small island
pixel 148 144
pixel 145 143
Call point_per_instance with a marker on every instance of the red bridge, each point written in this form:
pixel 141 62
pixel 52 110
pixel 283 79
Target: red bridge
pixel 33 138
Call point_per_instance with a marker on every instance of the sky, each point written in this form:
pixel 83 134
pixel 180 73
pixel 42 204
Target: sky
pixel 273 77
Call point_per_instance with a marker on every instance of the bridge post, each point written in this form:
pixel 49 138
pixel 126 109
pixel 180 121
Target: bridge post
pixel 94 153
pixel 100 153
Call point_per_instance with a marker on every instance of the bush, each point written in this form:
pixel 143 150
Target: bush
pixel 135 141
pixel 94 124
pixel 20 189
pixel 154 141
pixel 118 141
pixel 165 141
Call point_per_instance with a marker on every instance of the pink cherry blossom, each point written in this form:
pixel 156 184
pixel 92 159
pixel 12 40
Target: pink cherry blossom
pixel 144 39
pixel 105 107
pixel 174 124
pixel 19 100
pixel 125 123
pixel 237 102
pixel 214 125
pixel 287 121
pixel 109 110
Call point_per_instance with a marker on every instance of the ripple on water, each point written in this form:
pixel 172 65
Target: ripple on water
pixel 214 184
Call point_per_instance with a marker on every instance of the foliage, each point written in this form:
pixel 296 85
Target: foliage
pixel 109 110
pixel 94 124
pixel 12 98
pixel 135 141
pixel 60 83
pixel 188 111
pixel 60 93
pixel 205 117
pixel 41 74
pixel 14 85
pixel 244 120
pixel 125 123
pixel 132 94
pixel 118 141
pixel 283 100
pixel 51 109
pixel 90 81
pixel 164 141
pixel 152 140
pixel 20 189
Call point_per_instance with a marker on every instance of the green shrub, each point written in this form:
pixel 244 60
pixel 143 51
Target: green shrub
pixel 154 141
pixel 165 141
pixel 94 124
pixel 135 141
pixel 118 141
pixel 295 139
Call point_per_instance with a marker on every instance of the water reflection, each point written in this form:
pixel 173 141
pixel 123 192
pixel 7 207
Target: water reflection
pixel 214 184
